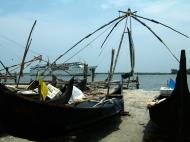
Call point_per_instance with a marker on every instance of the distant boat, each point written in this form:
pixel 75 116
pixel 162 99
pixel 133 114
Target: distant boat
pixel 74 69
pixel 166 91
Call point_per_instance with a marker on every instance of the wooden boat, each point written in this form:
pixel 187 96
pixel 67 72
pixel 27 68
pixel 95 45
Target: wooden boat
pixel 172 114
pixel 26 117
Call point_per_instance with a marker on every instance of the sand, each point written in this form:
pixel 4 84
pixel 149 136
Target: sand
pixel 133 128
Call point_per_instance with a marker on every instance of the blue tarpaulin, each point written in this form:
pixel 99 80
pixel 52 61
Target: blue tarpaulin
pixel 171 83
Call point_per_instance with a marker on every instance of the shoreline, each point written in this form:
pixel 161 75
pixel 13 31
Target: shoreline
pixel 139 73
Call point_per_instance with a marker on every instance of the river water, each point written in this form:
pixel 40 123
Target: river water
pixel 147 82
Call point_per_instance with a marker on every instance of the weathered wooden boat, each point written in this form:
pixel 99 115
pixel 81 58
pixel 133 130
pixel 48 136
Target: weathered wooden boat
pixel 25 117
pixel 172 114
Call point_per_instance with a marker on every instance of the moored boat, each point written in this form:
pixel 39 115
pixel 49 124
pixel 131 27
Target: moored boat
pixel 172 114
pixel 26 117
pixel 165 91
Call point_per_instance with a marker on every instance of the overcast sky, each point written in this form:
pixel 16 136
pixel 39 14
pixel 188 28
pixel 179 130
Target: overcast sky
pixel 62 23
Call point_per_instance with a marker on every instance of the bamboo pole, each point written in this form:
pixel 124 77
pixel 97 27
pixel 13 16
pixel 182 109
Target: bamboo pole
pixel 30 61
pixel 25 52
pixel 156 37
pixel 111 70
pixel 119 48
pixel 89 35
pixel 6 68
pixel 111 31
pixel 132 52
pixel 154 21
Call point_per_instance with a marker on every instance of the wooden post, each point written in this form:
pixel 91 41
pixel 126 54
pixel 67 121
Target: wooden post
pixel 54 80
pixel 39 92
pixel 15 77
pixel 137 83
pixel 85 75
pixel 5 79
pixel 93 74
pixel 111 70
pixel 128 82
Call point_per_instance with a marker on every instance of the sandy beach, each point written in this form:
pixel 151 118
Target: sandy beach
pixel 133 128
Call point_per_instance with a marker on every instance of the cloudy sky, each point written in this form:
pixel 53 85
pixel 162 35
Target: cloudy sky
pixel 62 23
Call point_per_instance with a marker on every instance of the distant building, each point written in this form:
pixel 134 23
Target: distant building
pixel 174 71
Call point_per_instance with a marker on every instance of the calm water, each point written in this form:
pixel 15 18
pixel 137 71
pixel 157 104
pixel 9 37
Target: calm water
pixel 147 82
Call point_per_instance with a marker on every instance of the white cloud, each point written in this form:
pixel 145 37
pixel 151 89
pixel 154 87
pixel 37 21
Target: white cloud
pixel 158 7
pixel 104 6
pixel 118 3
pixel 113 3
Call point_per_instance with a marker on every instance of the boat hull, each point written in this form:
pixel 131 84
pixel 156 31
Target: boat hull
pixel 33 120
pixel 173 113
